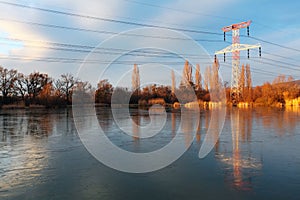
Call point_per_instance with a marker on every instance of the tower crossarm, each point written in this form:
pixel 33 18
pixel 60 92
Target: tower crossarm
pixel 237 47
pixel 236 26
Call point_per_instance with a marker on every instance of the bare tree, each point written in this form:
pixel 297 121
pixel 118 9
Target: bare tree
pixel 65 85
pixel 279 79
pixel 29 87
pixel 83 86
pixel 187 78
pixel 290 78
pixel 7 81
pixel 20 86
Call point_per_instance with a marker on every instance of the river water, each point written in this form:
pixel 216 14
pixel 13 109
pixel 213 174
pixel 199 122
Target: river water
pixel 42 157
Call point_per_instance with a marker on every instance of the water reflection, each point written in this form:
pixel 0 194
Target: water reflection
pixel 187 128
pixel 199 128
pixel 140 118
pixel 21 159
pixel 136 123
pixel 293 109
pixel 173 119
pixel 24 153
pixel 22 122
pixel 18 169
pixel 39 150
pixel 242 165
pixel 281 121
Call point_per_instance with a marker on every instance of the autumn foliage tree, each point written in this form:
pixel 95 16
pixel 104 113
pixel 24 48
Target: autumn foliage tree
pixel 104 92
pixel 35 83
pixel 282 88
pixel 249 89
pixel 39 88
pixel 242 83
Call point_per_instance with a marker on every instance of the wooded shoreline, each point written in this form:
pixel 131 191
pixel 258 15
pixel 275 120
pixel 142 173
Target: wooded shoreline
pixel 37 89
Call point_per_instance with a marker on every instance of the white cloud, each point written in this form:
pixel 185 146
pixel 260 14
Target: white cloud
pixel 26 32
pixel 21 31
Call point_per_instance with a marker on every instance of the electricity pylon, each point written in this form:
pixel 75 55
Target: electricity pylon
pixel 235 49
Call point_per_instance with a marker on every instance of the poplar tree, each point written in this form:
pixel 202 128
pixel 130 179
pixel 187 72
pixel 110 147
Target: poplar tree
pixel 135 81
pixel 249 83
pixel 198 78
pixel 173 81
pixel 242 82
pixel 187 78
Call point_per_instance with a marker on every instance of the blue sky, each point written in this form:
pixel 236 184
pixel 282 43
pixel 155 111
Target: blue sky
pixel 28 47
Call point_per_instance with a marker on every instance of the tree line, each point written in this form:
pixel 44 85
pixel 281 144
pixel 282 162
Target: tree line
pixel 36 88
pixel 39 88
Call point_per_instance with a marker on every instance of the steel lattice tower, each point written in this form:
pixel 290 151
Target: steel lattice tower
pixel 235 49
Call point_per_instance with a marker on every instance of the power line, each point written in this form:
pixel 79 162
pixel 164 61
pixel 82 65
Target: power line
pixel 105 19
pixel 273 43
pixel 73 48
pixel 258 59
pixel 121 62
pixel 126 22
pixel 93 61
pixel 144 53
pixel 100 50
pixel 280 56
pixel 256 70
pixel 58 26
pixel 132 23
pixel 105 32
pixel 127 62
pixel 194 13
pixel 263 62
pixel 81 61
pixel 285 63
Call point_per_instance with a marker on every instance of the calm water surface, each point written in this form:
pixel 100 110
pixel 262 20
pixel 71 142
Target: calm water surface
pixel 41 157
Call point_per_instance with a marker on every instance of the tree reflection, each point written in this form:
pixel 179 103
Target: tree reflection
pixel 104 117
pixel 136 122
pixel 241 165
pixel 198 132
pixel 281 121
pixel 22 157
pixel 187 126
pixel 37 123
pixel 173 119
pixel 39 126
